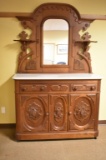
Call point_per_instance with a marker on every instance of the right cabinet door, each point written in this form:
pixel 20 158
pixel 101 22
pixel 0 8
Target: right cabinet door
pixel 82 112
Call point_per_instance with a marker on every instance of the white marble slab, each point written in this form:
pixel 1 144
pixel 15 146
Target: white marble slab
pixel 53 76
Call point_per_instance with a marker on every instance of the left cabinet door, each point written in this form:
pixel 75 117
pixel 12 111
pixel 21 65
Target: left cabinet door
pixel 32 113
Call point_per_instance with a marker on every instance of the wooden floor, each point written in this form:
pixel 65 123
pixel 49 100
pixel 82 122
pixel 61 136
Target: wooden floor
pixel 83 149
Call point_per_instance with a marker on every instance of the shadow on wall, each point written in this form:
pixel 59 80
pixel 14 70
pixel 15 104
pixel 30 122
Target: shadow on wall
pixel 7 99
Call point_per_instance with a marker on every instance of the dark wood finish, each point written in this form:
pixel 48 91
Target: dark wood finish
pixel 56 109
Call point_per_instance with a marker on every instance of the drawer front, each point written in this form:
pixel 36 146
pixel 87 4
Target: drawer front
pixel 83 87
pixel 43 87
pixel 59 87
pixel 33 87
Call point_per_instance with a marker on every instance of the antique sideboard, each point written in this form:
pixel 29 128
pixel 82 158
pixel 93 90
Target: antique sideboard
pixel 57 95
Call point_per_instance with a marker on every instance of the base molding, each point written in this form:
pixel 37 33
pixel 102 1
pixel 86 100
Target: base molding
pixel 13 125
pixel 102 122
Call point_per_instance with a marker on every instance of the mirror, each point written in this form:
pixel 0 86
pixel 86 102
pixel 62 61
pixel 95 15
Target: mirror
pixel 55 42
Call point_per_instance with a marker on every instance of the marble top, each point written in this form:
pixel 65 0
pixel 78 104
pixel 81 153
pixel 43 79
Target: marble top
pixel 55 76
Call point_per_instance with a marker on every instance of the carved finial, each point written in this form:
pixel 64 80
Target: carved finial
pixel 23 35
pixel 86 36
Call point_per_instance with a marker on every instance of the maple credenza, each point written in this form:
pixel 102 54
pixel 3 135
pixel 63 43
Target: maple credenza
pixel 56 106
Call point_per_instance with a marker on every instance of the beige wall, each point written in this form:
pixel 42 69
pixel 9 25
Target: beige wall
pixel 9 50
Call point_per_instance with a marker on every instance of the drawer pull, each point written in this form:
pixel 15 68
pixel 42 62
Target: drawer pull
pixel 74 88
pixel 42 88
pixel 93 88
pixel 23 89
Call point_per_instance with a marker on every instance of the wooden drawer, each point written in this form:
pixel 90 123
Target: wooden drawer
pixel 43 87
pixel 84 87
pixel 33 87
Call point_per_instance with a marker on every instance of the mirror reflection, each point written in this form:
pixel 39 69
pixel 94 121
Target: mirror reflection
pixel 55 42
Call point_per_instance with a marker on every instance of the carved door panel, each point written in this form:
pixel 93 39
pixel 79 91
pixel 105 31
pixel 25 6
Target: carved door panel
pixel 58 111
pixel 33 112
pixel 82 112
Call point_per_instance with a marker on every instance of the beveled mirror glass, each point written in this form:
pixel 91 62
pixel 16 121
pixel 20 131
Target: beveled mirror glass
pixel 55 42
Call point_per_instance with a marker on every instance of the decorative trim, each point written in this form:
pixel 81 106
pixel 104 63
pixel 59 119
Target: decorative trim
pixel 22 14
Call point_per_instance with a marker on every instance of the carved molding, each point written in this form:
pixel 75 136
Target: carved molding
pixel 58 112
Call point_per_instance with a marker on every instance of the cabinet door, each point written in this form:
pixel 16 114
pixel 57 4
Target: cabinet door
pixel 82 112
pixel 58 112
pixel 32 113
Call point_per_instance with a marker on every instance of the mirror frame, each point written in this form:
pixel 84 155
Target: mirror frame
pixel 35 41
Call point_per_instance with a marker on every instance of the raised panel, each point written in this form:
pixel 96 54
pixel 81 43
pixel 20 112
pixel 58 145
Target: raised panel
pixel 58 112
pixel 34 112
pixel 82 111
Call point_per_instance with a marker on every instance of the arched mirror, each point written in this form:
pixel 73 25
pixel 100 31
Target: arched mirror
pixel 55 42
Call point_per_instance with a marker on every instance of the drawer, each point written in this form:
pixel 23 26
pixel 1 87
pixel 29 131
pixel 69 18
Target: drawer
pixel 83 87
pixel 43 87
pixel 59 87
pixel 33 87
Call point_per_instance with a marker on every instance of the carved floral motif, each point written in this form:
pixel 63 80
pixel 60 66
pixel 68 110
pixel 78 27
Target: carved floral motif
pixel 82 111
pixel 34 111
pixel 58 112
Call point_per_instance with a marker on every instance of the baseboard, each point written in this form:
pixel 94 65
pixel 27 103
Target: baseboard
pixel 102 122
pixel 7 125
pixel 12 125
